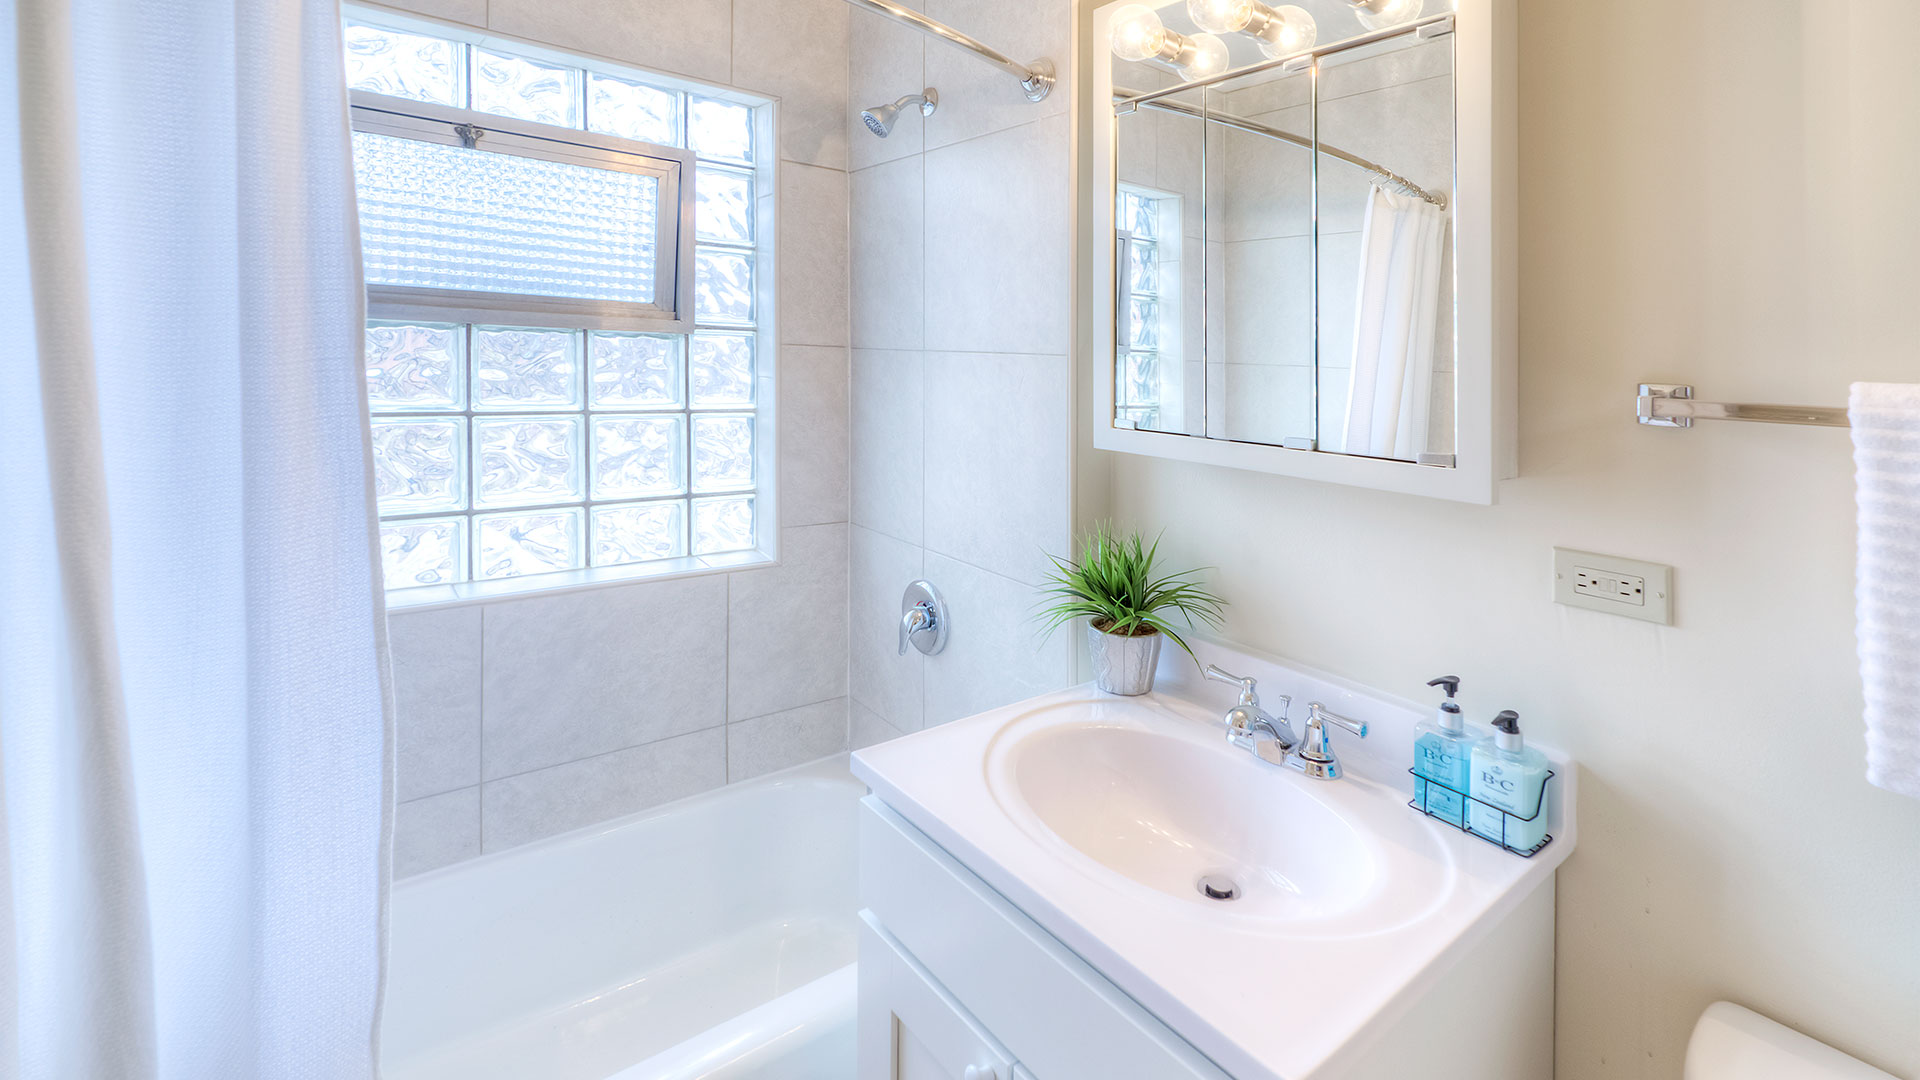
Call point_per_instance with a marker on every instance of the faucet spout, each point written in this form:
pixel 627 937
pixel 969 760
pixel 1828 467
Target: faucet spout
pixel 1247 721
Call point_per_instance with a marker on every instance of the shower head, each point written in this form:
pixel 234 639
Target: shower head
pixel 880 118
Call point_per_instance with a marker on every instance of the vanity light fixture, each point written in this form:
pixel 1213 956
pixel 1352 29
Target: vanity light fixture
pixel 1138 34
pixel 1278 30
pixel 1380 14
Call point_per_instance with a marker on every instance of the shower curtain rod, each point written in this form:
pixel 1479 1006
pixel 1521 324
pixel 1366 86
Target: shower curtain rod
pixel 1036 79
pixel 1393 179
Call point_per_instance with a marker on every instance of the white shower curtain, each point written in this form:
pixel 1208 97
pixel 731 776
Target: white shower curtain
pixel 194 736
pixel 1391 379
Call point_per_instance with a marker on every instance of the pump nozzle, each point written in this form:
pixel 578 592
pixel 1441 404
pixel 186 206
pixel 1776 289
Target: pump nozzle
pixel 1506 731
pixel 1450 682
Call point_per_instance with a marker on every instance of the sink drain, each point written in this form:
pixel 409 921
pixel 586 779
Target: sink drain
pixel 1218 887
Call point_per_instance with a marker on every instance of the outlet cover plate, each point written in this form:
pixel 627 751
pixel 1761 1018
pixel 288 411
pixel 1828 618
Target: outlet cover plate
pixel 1617 586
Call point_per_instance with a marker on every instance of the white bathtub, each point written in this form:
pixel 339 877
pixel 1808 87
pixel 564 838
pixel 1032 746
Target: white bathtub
pixel 713 937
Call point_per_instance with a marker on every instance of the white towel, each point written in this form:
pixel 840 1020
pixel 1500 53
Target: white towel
pixel 1886 459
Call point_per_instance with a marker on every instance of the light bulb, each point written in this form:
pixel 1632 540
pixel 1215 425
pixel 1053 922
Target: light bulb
pixel 1380 14
pixel 1203 56
pixel 1289 29
pixel 1220 16
pixel 1136 33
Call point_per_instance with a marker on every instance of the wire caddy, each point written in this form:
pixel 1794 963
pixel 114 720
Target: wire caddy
pixel 1465 824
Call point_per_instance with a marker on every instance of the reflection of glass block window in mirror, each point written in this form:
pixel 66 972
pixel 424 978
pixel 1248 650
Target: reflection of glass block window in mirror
pixel 537 427
pixel 1147 339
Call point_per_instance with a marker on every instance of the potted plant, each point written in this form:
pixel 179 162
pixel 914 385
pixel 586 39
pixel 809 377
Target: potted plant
pixel 1128 609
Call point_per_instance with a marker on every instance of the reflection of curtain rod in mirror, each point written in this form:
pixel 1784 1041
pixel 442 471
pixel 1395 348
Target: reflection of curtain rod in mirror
pixel 1035 78
pixel 1392 179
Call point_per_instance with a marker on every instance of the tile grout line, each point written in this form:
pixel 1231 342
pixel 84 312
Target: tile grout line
pixel 926 276
pixel 591 757
pixel 726 676
pixel 480 792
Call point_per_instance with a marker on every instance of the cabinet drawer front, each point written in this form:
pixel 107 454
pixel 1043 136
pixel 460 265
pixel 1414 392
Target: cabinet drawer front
pixel 910 1027
pixel 1056 1015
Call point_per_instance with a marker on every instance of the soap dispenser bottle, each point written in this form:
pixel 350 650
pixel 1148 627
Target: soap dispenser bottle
pixel 1510 776
pixel 1442 751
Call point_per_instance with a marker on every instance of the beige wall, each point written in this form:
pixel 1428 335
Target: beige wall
pixel 1719 193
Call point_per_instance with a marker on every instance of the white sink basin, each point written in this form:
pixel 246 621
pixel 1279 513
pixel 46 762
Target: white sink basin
pixel 1159 805
pixel 1097 816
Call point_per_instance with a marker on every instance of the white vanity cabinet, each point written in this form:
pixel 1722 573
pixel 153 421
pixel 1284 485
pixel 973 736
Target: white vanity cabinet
pixel 910 1027
pixel 958 984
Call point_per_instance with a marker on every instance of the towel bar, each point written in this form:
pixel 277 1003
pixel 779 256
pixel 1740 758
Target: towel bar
pixel 1672 405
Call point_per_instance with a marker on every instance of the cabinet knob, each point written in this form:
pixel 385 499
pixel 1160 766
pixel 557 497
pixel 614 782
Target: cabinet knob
pixel 980 1072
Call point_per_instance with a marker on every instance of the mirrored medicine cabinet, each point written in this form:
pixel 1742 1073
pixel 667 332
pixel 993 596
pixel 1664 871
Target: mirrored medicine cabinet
pixel 1311 215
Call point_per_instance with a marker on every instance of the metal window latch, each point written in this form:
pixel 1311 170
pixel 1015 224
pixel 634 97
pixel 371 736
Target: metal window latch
pixel 469 135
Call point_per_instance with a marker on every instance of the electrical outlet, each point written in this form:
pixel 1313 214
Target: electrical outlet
pixel 1609 583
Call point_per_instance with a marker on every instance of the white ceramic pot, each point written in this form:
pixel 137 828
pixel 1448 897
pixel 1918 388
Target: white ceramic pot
pixel 1121 664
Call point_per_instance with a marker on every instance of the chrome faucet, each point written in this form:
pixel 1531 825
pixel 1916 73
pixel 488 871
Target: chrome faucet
pixel 1247 721
pixel 1311 752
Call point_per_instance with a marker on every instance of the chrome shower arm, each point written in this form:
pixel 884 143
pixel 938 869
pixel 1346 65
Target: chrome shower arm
pixel 1036 79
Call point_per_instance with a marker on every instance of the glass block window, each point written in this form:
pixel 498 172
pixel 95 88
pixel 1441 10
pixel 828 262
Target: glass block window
pixel 445 217
pixel 1147 227
pixel 514 446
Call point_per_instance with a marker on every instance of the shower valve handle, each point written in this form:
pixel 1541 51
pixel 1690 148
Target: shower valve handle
pixel 921 618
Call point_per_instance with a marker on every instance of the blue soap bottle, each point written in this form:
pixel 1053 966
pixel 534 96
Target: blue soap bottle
pixel 1442 749
pixel 1508 775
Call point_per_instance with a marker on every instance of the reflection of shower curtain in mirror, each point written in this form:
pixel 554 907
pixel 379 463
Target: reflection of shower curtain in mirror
pixel 1398 301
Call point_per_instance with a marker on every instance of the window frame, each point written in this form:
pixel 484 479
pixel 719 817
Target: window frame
pixel 673 273
pixel 763 171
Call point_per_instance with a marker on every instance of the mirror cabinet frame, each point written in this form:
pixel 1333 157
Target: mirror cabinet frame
pixel 1486 252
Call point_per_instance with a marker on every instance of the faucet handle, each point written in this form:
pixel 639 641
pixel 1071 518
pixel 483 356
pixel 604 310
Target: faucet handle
pixel 921 618
pixel 1220 674
pixel 1317 712
pixel 1249 697
pixel 1315 752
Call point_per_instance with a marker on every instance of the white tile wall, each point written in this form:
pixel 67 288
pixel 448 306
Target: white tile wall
pixel 519 719
pixel 541 803
pixel 999 264
pixel 997 651
pixel 813 255
pixel 996 459
pixel 770 743
pixel 888 463
pixel 867 728
pixel 787 645
pixel 686 37
pixel 609 701
pixel 786 49
pixel 578 674
pixel 961 326
pixel 887 683
pixel 436 831
pixel 814 430
pixel 437 700
pixel 888 229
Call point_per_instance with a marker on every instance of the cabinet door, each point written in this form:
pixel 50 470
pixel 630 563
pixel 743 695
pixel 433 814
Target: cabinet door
pixel 910 1027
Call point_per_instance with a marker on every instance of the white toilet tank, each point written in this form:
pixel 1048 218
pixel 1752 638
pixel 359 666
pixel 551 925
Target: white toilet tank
pixel 1732 1043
